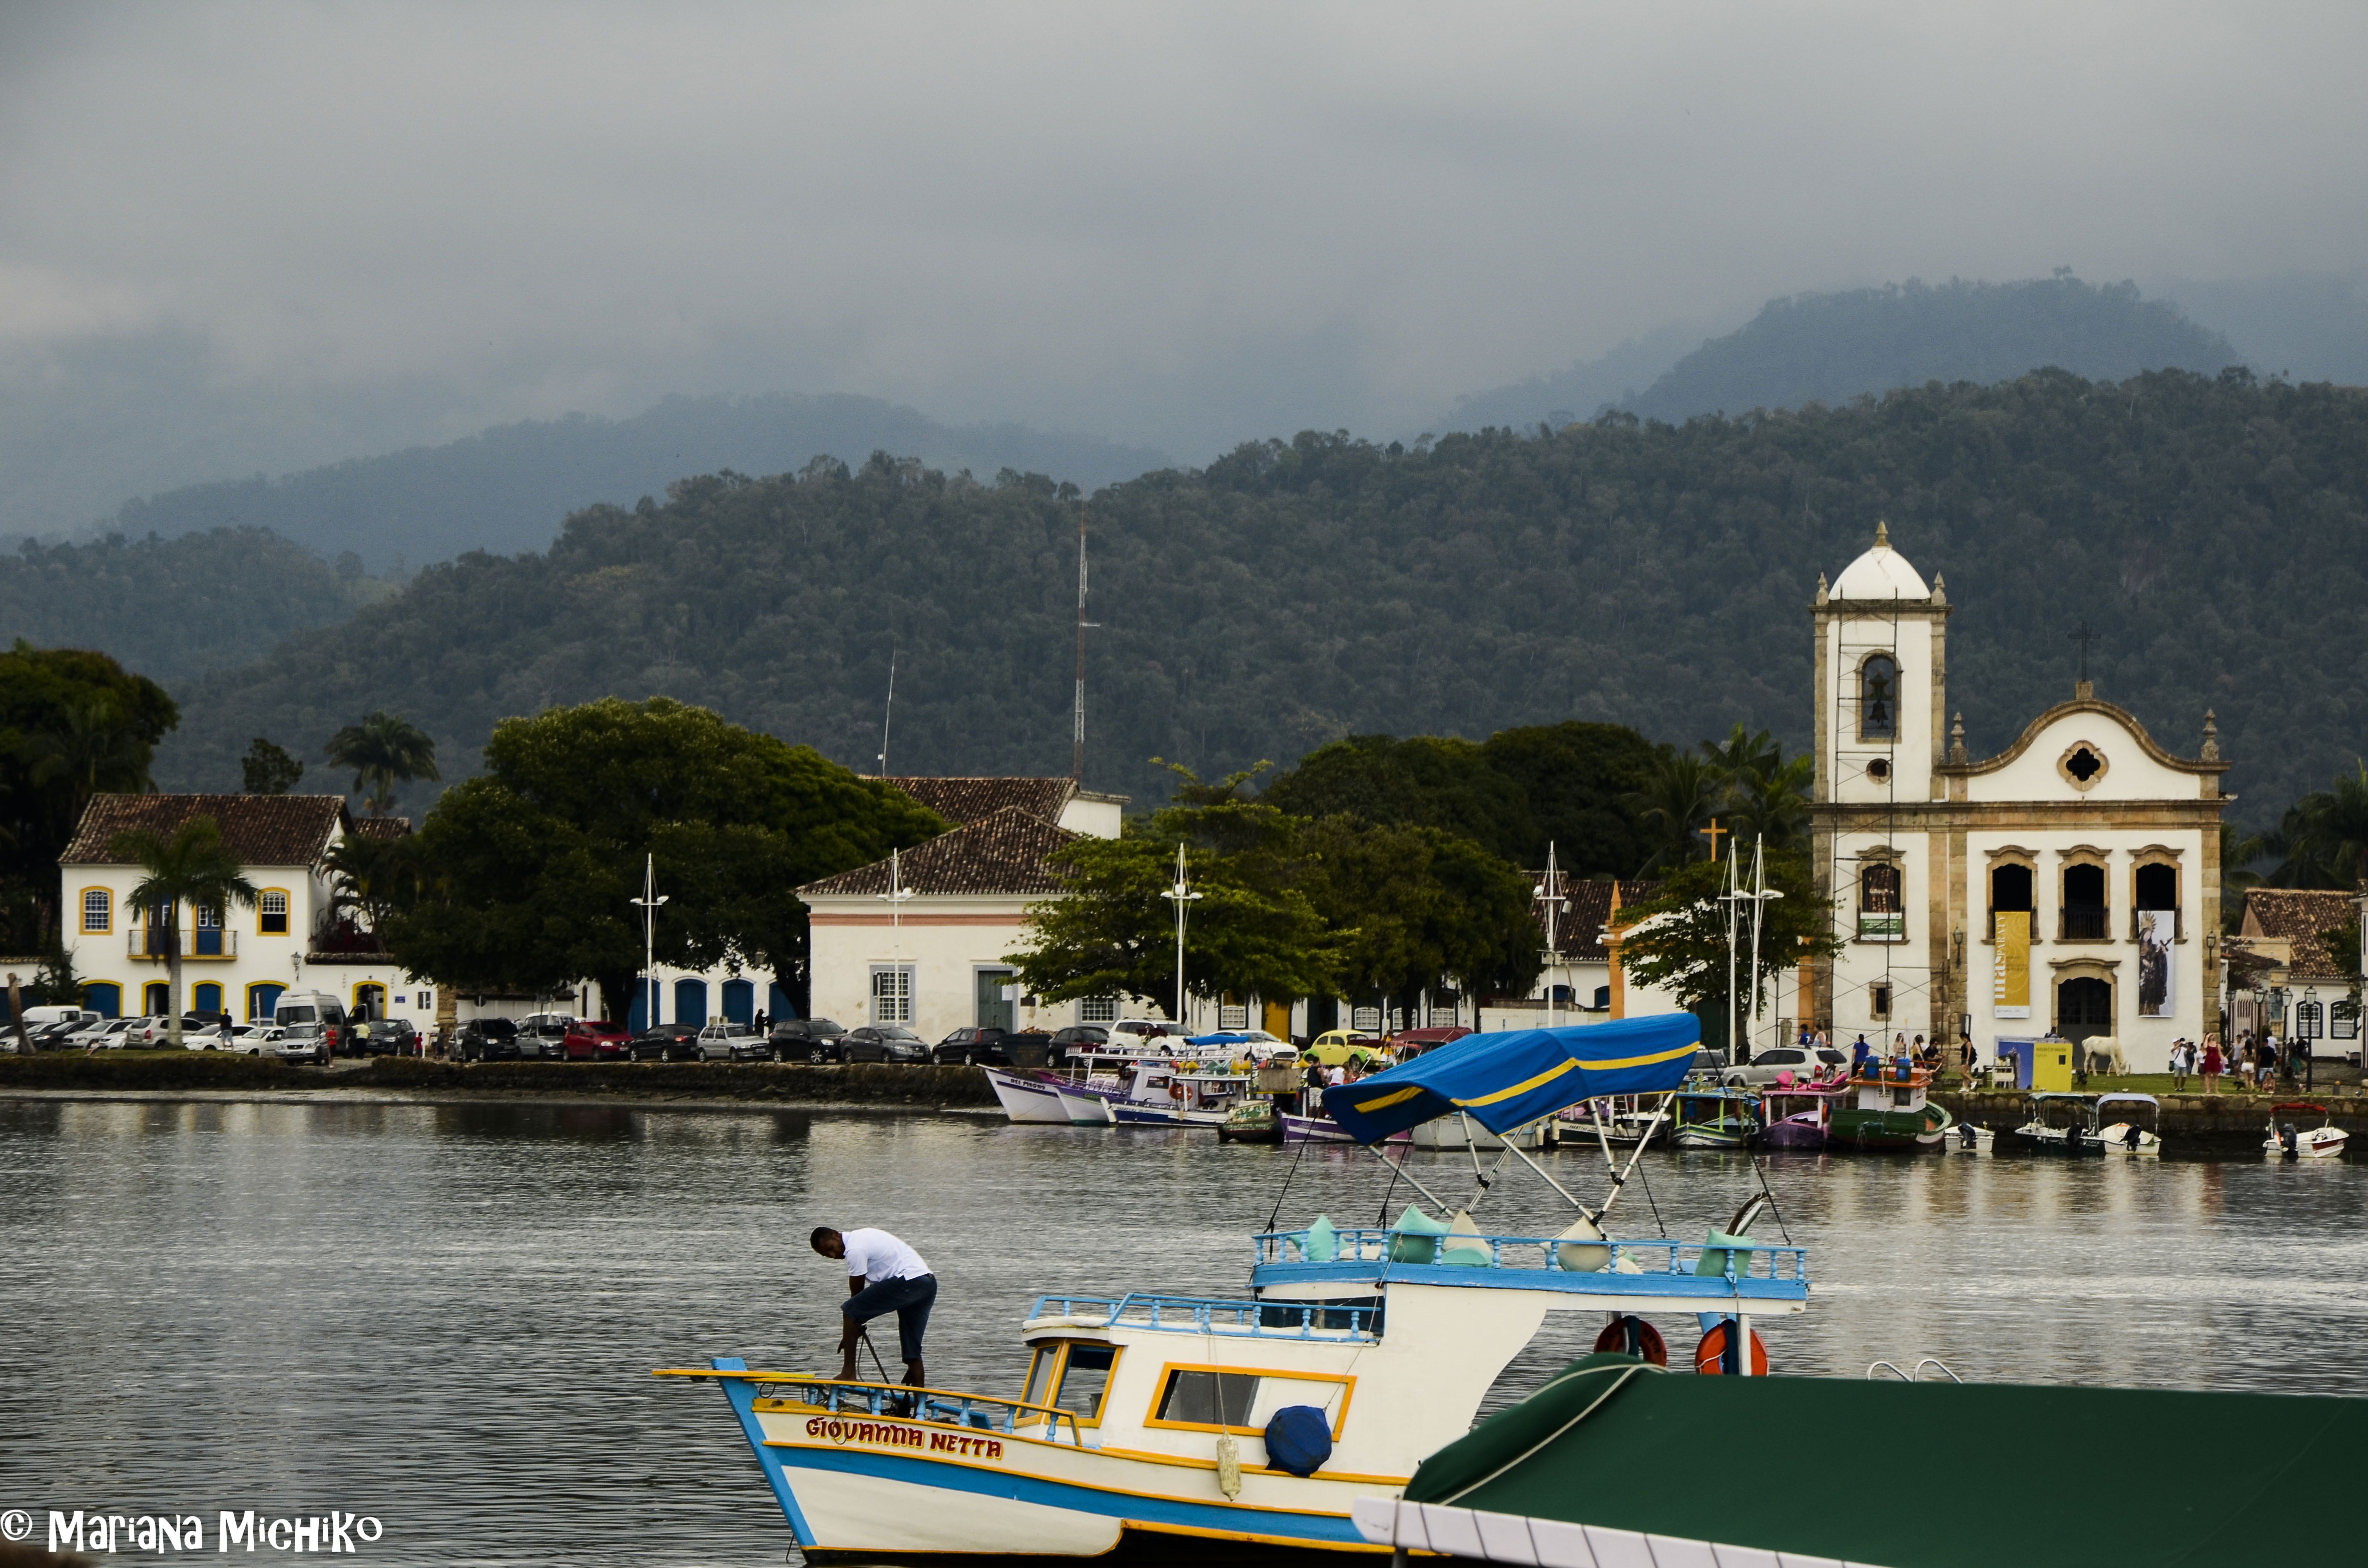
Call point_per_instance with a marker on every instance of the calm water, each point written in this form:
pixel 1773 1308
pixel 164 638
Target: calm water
pixel 445 1316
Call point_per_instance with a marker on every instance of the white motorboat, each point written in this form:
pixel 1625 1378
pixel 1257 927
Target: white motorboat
pixel 1084 1110
pixel 2325 1142
pixel 2138 1133
pixel 1026 1096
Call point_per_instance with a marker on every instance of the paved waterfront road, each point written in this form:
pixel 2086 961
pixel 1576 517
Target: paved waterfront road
pixel 445 1316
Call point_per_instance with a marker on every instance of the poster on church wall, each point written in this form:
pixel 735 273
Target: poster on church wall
pixel 2157 928
pixel 2010 990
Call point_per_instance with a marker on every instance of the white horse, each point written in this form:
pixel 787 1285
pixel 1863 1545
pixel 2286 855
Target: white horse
pixel 2103 1054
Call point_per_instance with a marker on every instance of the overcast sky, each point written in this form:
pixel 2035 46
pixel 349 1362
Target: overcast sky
pixel 1168 224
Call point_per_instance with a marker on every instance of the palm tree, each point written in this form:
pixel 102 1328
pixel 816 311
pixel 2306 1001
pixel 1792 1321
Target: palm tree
pixel 1676 799
pixel 2324 837
pixel 194 866
pixel 383 750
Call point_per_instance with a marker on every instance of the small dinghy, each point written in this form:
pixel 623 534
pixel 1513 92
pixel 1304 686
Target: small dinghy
pixel 2126 1136
pixel 2323 1142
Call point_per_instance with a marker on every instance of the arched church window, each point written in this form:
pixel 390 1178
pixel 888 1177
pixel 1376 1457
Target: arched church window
pixel 2156 887
pixel 1881 913
pixel 2084 904
pixel 1878 698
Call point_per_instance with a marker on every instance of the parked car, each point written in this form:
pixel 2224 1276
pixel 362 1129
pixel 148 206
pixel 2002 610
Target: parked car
pixel 543 1036
pixel 263 1039
pixel 108 1034
pixel 665 1042
pixel 806 1039
pixel 54 1036
pixel 383 1037
pixel 1415 1042
pixel 289 1044
pixel 1078 1040
pixel 213 1037
pixel 1143 1034
pixel 883 1042
pixel 728 1041
pixel 1799 1060
pixel 985 1044
pixel 313 1016
pixel 594 1039
pixel 487 1040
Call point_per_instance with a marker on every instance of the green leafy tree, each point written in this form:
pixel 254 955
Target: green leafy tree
pixel 1677 939
pixel 1760 794
pixel 383 750
pixel 72 723
pixel 269 769
pixel 524 873
pixel 1418 910
pixel 193 866
pixel 1676 801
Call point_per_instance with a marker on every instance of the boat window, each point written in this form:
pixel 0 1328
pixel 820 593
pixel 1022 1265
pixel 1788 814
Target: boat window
pixel 1087 1380
pixel 1208 1399
pixel 1040 1375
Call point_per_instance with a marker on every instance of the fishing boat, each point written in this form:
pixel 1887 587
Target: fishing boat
pixel 1621 1120
pixel 1085 1108
pixel 1888 1110
pixel 1163 1427
pixel 1027 1096
pixel 1715 1119
pixel 1251 1121
pixel 2325 1142
pixel 2138 1133
pixel 1798 1115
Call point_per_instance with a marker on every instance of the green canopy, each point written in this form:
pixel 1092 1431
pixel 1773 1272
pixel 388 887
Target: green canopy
pixel 2032 1476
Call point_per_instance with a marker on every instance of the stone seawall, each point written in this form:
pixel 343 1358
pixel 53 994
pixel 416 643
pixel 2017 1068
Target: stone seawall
pixel 2218 1123
pixel 150 1073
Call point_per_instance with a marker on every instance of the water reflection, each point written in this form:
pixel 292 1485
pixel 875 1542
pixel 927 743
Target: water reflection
pixel 446 1315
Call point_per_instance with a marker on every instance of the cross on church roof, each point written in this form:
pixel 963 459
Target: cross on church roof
pixel 2084 636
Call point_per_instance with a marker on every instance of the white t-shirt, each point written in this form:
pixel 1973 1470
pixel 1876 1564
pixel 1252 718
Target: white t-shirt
pixel 877 1255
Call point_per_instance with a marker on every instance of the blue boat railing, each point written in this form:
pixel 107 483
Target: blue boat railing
pixel 889 1401
pixel 1744 1259
pixel 1201 1314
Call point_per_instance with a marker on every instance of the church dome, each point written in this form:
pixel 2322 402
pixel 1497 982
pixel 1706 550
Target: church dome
pixel 1881 574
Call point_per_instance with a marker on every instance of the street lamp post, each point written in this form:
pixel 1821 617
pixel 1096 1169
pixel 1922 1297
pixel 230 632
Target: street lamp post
pixel 1549 893
pixel 894 899
pixel 1183 897
pixel 648 904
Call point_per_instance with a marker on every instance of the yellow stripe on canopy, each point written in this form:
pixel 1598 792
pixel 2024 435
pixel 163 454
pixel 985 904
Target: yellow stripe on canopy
pixel 1551 1073
pixel 1398 1098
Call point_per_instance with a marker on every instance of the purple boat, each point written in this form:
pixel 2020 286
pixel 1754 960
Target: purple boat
pixel 1798 1115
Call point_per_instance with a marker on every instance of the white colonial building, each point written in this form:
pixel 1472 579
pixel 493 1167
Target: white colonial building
pixel 924 939
pixel 235 961
pixel 2070 884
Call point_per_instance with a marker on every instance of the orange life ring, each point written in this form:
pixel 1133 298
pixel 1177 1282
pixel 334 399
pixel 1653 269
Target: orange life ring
pixel 1709 1355
pixel 1174 1090
pixel 1631 1336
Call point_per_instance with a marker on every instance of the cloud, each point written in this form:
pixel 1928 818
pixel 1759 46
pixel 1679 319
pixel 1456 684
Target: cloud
pixel 1173 225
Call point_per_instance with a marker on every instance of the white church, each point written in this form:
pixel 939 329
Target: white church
pixel 2070 884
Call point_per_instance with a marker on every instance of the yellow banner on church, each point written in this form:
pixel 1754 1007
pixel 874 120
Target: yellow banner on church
pixel 2010 990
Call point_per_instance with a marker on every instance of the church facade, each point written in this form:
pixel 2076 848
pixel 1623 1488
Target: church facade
pixel 2069 885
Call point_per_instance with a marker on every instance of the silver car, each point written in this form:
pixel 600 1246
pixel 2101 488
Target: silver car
pixel 1801 1061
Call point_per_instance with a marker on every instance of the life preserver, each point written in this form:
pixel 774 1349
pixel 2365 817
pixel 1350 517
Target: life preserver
pixel 1174 1090
pixel 1709 1355
pixel 1631 1336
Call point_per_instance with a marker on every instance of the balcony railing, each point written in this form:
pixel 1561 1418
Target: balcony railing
pixel 205 942
pixel 2085 922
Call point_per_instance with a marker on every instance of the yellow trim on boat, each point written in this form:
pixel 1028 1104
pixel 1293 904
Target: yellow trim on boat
pixel 1148 1457
pixel 1082 1485
pixel 1207 1534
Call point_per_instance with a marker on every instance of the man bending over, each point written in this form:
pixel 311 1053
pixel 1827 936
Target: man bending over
pixel 883 1275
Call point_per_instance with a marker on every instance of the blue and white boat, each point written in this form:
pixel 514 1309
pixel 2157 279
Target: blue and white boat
pixel 1157 1426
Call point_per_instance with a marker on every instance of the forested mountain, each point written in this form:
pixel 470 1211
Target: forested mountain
pixel 172 606
pixel 1833 348
pixel 506 489
pixel 1294 593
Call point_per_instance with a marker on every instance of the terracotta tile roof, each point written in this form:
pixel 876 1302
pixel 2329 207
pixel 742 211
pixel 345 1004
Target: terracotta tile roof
pixel 381 827
pixel 2300 915
pixel 261 830
pixel 1003 856
pixel 1578 930
pixel 967 800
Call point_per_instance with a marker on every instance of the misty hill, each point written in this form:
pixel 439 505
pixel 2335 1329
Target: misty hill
pixel 172 606
pixel 1833 348
pixel 1293 593
pixel 507 488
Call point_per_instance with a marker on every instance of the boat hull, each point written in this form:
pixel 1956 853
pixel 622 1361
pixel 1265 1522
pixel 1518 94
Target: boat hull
pixel 1791 1134
pixel 1027 1099
pixel 886 1490
pixel 1924 1128
pixel 1085 1109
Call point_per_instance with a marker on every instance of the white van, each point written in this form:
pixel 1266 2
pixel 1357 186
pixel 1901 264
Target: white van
pixel 43 1018
pixel 312 1022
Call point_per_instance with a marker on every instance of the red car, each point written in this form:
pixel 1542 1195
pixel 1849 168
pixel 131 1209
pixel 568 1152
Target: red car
pixel 592 1039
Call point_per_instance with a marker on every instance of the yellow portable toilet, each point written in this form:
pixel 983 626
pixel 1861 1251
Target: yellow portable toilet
pixel 2051 1065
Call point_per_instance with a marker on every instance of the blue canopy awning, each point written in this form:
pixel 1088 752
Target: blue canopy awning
pixel 1505 1079
pixel 1217 1039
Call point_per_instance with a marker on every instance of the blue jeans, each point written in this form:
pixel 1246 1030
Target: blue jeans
pixel 910 1300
